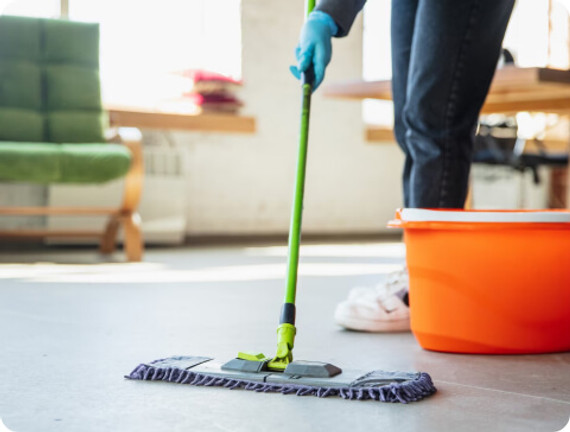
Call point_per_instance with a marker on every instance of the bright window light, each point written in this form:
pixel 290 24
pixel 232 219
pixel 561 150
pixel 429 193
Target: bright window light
pixel 142 43
pixel 31 8
pixel 154 273
pixel 377 61
pixel 527 38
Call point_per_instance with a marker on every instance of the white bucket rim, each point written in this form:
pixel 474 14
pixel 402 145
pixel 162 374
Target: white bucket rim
pixel 424 215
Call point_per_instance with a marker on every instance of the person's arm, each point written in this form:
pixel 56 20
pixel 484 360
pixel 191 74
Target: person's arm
pixel 330 18
pixel 343 12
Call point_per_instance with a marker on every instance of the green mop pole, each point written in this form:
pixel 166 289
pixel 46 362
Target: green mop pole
pixel 286 330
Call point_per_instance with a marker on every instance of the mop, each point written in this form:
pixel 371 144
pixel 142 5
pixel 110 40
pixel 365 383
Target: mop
pixel 280 374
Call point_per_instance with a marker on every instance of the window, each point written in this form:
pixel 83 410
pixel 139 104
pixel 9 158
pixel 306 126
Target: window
pixel 377 62
pixel 32 8
pixel 144 42
pixel 536 36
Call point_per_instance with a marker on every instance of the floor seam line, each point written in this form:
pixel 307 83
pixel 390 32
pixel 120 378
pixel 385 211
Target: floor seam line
pixel 503 391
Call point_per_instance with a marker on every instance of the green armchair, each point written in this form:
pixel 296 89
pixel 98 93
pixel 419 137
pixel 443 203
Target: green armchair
pixel 53 126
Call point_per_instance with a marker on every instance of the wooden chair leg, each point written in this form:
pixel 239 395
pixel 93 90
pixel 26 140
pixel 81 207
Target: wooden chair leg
pixel 133 236
pixel 109 239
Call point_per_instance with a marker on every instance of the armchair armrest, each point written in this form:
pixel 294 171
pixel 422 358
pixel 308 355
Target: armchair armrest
pixel 132 139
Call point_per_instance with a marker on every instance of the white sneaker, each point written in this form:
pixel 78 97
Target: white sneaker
pixel 377 309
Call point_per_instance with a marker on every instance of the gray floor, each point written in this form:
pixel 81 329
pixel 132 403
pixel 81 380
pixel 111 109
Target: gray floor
pixel 72 324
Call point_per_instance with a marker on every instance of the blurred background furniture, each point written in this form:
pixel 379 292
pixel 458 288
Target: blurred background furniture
pixel 514 89
pixel 52 126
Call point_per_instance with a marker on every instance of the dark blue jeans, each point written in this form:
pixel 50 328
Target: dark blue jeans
pixel 444 54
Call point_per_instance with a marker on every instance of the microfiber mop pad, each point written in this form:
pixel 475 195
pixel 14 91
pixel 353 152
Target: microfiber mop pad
pixel 377 385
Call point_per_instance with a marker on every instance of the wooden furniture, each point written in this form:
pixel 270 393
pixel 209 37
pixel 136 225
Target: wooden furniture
pixel 513 90
pixel 124 216
pixel 380 134
pixel 120 116
pixel 51 126
pixel 385 135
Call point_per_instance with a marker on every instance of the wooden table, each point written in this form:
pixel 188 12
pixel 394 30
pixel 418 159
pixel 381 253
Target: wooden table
pixel 513 90
pixel 146 119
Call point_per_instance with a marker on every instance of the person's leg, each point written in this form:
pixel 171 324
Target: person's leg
pixel 455 48
pixel 403 17
pixel 384 308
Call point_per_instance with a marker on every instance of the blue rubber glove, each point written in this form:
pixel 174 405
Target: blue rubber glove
pixel 315 46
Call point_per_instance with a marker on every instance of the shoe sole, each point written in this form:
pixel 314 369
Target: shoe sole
pixel 370 326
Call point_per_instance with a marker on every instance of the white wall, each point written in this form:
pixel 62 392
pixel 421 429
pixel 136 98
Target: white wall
pixel 244 184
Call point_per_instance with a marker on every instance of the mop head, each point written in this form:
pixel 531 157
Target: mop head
pixel 383 386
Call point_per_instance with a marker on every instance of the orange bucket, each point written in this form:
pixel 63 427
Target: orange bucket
pixel 488 282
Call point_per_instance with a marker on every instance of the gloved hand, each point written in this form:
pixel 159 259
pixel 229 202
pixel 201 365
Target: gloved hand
pixel 315 46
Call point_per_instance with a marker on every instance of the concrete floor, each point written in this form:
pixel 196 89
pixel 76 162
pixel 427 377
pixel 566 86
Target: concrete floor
pixel 72 324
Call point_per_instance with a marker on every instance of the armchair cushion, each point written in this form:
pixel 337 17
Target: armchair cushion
pixel 21 118
pixel 63 163
pixel 21 124
pixel 20 38
pixel 75 126
pixel 28 162
pixel 72 87
pixel 93 163
pixel 71 42
pixel 20 85
pixel 51 115
pixel 50 68
pixel 74 104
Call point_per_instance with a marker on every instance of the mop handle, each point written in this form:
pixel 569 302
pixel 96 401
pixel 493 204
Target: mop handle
pixel 288 312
